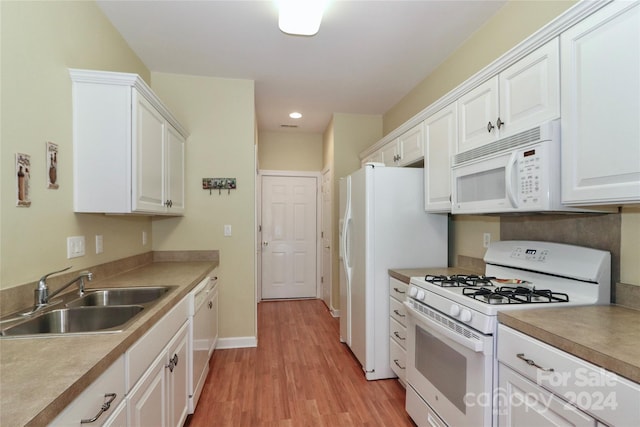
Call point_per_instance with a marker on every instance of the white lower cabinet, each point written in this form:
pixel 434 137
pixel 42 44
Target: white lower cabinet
pixel 524 403
pixel 98 401
pixel 543 385
pixel 397 328
pixel 160 397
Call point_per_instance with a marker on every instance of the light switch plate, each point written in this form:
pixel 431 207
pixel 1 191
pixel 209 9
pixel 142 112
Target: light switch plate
pixel 75 246
pixel 99 246
pixel 227 230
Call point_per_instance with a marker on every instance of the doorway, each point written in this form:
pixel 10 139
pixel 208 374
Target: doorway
pixel 289 237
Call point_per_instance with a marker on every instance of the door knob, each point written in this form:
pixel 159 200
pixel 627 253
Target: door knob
pixel 265 243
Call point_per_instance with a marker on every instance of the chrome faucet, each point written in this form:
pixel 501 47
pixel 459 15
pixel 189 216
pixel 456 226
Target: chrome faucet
pixel 42 296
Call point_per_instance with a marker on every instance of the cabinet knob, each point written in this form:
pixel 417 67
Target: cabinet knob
pixel 210 305
pixel 490 127
pixel 500 123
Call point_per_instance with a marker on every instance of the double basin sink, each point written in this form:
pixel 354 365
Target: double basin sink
pixel 99 310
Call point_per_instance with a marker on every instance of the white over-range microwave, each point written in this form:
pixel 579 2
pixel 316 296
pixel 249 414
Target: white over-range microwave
pixel 520 173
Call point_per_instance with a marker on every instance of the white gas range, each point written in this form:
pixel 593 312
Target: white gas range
pixel 453 322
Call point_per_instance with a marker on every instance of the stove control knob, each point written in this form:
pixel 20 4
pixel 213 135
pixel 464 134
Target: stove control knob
pixel 413 291
pixel 454 310
pixel 420 295
pixel 465 316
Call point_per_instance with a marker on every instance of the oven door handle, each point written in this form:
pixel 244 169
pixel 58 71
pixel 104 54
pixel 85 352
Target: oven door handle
pixel 476 345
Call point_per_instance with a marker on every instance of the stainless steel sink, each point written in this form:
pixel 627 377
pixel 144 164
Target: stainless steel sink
pixel 120 296
pixel 76 320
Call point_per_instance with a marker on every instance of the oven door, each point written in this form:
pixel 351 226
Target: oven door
pixel 450 367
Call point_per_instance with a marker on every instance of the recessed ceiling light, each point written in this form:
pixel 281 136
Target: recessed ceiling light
pixel 295 115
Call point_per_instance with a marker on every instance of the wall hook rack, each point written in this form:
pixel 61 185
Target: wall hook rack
pixel 219 184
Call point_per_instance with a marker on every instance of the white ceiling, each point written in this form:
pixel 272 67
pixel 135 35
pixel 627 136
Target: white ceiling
pixel 365 58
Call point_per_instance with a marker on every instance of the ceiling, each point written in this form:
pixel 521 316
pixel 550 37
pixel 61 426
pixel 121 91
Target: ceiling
pixel 366 57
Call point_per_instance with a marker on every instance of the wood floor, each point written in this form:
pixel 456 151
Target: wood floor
pixel 299 375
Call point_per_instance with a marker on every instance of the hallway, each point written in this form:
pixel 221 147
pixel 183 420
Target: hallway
pixel 300 375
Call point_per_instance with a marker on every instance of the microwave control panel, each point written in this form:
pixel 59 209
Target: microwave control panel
pixel 529 173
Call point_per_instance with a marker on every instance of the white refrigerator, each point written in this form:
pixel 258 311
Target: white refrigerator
pixel 382 225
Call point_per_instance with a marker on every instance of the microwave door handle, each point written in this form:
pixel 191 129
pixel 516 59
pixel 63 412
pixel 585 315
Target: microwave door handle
pixel 509 177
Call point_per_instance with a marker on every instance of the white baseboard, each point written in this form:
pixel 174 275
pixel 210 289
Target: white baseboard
pixel 237 342
pixel 335 312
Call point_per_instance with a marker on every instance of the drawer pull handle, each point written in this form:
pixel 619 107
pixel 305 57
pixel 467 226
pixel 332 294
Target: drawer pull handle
pixel 104 408
pixel 398 313
pixel 173 362
pixel 399 291
pixel 532 363
pixel 398 335
pixel 397 364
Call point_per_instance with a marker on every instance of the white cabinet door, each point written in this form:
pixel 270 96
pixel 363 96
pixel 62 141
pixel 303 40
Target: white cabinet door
pixel 600 107
pixel 524 403
pixel 128 149
pixel 477 114
pixel 148 142
pixel 411 146
pixel 519 98
pixel 441 136
pixel 147 402
pixel 175 171
pixel 390 153
pixel 530 90
pixel 178 379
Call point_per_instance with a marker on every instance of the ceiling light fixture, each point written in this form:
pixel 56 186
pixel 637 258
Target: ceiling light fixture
pixel 295 115
pixel 300 17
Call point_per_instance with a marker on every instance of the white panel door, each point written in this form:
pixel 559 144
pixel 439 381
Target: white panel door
pixel 441 136
pixel 600 107
pixel 289 236
pixel 477 113
pixel 175 170
pixel 148 138
pixel 530 90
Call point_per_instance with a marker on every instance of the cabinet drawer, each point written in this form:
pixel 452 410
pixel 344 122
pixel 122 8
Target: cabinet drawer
pixel 398 311
pixel 146 349
pixel 601 393
pixel 398 332
pixel 397 359
pixel 89 403
pixel 397 289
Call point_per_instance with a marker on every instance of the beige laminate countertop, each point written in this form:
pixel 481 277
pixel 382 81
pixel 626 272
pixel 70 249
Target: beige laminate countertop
pixel 40 376
pixel 607 336
pixel 405 274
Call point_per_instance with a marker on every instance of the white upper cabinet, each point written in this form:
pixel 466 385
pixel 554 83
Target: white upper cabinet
pixel 440 137
pixel 520 97
pixel 411 146
pixel 390 153
pixel 128 148
pixel 601 107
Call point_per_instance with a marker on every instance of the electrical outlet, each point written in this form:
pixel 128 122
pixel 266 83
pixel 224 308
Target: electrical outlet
pixel 99 246
pixel 486 239
pixel 227 230
pixel 75 246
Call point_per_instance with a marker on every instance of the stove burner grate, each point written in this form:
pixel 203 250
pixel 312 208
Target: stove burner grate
pixel 514 295
pixel 458 280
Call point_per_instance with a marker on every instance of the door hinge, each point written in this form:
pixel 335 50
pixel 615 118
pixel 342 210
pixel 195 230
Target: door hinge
pixel 322 234
pixel 260 228
pixel 321 279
